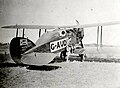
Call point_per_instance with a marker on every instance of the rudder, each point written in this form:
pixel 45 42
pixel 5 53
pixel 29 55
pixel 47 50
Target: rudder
pixel 18 46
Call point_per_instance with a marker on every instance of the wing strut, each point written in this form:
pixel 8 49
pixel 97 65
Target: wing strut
pixel 39 32
pixel 101 37
pixel 17 33
pixel 97 37
pixel 45 30
pixel 23 32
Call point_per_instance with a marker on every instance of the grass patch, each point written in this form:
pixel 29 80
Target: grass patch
pixel 3 58
pixel 108 60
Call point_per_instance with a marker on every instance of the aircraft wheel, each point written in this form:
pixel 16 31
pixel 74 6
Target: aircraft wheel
pixel 81 57
pixel 62 56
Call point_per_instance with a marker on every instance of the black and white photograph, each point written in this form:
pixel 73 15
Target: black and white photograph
pixel 59 43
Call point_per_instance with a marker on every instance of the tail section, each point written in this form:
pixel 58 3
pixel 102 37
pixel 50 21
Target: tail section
pixel 18 46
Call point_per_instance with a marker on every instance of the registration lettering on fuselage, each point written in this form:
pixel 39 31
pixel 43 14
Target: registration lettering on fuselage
pixel 57 45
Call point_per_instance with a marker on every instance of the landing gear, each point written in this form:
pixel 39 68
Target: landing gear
pixel 81 57
pixel 63 55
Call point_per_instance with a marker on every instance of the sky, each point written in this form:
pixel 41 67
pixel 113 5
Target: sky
pixel 61 12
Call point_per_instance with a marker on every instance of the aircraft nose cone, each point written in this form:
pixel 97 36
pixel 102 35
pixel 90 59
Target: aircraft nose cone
pixel 62 33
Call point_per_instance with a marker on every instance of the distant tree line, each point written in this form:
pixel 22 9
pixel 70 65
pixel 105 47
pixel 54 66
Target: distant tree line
pixel 2 44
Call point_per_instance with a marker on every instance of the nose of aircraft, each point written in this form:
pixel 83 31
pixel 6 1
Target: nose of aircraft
pixel 62 33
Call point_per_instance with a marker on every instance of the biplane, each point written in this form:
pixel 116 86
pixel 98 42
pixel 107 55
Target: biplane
pixel 50 42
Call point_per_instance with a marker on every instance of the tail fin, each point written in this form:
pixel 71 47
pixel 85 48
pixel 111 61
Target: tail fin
pixel 18 46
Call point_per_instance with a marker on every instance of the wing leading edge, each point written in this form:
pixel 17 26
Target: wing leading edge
pixel 29 27
pixel 98 24
pixel 56 27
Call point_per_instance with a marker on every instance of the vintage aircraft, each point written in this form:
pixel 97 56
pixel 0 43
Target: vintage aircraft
pixel 49 43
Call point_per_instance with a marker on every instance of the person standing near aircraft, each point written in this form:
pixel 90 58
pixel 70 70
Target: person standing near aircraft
pixel 79 36
pixel 75 38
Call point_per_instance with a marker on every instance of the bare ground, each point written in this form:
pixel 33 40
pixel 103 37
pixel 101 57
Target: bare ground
pixel 99 71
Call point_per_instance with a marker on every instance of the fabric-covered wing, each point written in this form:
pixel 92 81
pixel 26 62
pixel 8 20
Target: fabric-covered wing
pixel 56 27
pixel 98 24
pixel 30 27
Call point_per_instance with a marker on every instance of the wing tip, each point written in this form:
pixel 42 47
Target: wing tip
pixel 4 27
pixel 11 26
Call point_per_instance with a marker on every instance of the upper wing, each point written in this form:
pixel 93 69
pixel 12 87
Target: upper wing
pixel 37 27
pixel 98 24
pixel 30 27
pixel 55 27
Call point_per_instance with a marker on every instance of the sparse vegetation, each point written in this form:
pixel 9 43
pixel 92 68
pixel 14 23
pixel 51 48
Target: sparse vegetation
pixel 2 56
pixel 107 60
pixel 4 45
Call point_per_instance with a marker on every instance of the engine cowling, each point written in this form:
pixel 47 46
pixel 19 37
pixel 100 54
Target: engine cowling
pixel 62 33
